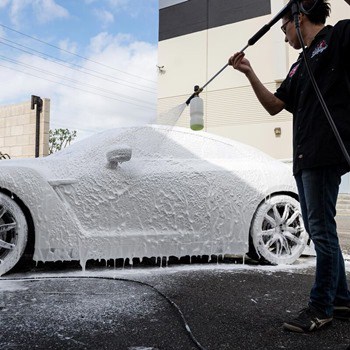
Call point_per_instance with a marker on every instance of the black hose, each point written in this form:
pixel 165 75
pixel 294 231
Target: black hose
pixel 171 302
pixel 318 92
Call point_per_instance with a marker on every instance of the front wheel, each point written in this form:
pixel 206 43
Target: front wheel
pixel 277 231
pixel 13 233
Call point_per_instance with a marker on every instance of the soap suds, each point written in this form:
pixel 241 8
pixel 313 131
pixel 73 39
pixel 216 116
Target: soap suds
pixel 181 193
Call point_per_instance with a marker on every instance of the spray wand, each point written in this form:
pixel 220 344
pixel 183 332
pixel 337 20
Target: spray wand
pixel 196 103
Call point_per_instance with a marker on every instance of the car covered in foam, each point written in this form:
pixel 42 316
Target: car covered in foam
pixel 149 191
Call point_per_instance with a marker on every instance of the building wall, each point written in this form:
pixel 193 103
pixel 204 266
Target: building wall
pixel 17 129
pixel 198 15
pixel 194 45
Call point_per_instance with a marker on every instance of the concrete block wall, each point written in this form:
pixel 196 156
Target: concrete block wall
pixel 17 129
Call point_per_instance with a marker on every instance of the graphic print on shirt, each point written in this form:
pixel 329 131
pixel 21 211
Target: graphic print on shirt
pixel 319 48
pixel 294 70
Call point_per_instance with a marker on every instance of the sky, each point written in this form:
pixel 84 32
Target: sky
pixel 96 60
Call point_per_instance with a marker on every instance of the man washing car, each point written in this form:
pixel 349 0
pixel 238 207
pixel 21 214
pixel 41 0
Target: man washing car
pixel 318 162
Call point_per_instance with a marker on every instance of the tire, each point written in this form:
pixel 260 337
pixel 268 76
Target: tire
pixel 277 233
pixel 13 233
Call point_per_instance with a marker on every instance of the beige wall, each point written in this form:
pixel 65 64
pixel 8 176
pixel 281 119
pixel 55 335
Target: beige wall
pixel 231 108
pixel 17 129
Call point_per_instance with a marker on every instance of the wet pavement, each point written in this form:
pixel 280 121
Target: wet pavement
pixel 224 305
pixel 218 306
pixel 343 225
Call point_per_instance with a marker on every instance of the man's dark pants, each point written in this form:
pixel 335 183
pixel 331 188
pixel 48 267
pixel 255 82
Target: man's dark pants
pixel 318 192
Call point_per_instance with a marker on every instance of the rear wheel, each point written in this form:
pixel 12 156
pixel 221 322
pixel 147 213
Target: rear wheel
pixel 277 233
pixel 13 233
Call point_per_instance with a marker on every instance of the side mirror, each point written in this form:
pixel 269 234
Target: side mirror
pixel 118 154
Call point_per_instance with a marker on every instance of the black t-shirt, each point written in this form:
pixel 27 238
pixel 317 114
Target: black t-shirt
pixel 314 143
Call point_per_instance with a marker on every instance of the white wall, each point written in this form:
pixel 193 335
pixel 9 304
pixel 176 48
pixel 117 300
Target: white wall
pixel 231 108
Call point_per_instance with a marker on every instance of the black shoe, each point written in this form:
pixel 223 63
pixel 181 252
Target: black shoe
pixel 308 320
pixel 342 312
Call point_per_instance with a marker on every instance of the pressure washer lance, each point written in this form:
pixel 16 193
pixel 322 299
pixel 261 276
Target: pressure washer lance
pixel 197 105
pixel 197 111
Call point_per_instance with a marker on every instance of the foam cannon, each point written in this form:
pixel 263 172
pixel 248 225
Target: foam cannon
pixel 196 109
pixel 196 103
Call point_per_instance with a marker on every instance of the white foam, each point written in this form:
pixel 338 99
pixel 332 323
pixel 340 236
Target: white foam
pixel 11 286
pixel 181 193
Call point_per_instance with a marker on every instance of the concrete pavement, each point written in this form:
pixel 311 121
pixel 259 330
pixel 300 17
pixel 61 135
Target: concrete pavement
pixel 343 224
pixel 228 306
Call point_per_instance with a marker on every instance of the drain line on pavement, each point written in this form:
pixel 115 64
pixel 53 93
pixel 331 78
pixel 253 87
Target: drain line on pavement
pixel 171 302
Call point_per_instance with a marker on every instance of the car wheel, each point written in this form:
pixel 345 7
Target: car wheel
pixel 277 233
pixel 13 233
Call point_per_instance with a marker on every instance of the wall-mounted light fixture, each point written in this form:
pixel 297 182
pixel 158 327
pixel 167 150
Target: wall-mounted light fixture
pixel 161 69
pixel 278 132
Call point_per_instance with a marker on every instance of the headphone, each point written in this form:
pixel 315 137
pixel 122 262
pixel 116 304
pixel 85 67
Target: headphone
pixel 307 6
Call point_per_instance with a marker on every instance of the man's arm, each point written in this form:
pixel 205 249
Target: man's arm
pixel 268 100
